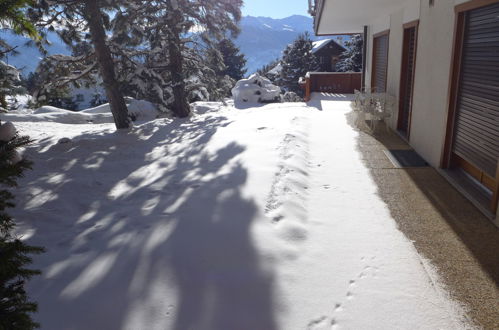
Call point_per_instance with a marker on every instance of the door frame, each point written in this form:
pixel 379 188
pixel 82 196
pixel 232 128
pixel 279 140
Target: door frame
pixel 447 160
pixel 403 73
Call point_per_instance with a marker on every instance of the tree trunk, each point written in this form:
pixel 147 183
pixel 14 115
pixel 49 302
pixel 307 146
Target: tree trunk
pixel 3 101
pixel 119 110
pixel 180 105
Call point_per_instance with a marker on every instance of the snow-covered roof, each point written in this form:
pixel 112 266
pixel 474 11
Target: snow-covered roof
pixel 319 44
pixel 276 70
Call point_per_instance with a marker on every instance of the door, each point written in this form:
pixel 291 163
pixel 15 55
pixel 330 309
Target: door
pixel 407 78
pixel 475 133
pixel 380 62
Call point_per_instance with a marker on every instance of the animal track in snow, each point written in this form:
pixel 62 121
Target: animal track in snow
pixel 317 324
pixel 277 218
pixel 339 307
pixel 334 324
pixel 323 323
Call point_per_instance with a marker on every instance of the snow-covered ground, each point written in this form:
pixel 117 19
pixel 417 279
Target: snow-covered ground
pixel 261 218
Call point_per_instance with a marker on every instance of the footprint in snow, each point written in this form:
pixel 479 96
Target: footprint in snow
pixel 317 324
pixel 278 218
pixel 323 323
pixel 293 233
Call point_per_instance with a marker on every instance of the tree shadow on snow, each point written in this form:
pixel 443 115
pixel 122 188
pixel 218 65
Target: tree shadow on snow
pixel 144 230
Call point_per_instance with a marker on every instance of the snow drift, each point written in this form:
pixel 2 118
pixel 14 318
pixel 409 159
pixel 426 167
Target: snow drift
pixel 139 110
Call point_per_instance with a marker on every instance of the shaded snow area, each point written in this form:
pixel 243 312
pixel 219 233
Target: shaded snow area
pixel 257 219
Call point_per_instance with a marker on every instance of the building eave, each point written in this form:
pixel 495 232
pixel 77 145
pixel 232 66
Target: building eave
pixel 336 17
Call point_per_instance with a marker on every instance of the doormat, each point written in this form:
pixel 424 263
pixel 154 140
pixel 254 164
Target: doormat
pixel 405 158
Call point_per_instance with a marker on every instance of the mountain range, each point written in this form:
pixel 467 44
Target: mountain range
pixel 28 55
pixel 262 40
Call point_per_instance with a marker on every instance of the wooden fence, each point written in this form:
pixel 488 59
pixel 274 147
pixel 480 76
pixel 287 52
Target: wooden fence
pixel 331 82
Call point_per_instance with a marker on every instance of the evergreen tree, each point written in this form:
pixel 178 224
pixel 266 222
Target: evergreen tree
pixel 351 59
pixel 218 83
pixel 9 82
pixel 15 308
pixel 13 18
pixel 74 19
pixel 233 59
pixel 264 71
pixel 297 60
pixel 174 31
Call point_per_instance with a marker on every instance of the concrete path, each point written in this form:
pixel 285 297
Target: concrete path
pixel 446 228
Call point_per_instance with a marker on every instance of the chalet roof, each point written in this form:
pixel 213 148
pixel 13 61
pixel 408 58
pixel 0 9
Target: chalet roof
pixel 319 44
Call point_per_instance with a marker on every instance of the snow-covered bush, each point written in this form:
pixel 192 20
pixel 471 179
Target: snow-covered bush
pixel 256 89
pixel 291 97
pixel 7 131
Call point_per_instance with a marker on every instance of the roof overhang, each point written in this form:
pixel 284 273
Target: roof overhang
pixel 335 17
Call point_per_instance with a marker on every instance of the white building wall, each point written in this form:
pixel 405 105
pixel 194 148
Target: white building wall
pixel 433 63
pixel 394 22
pixel 394 59
pixel 411 11
pixel 431 86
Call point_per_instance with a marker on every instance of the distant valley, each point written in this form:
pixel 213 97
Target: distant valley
pixel 262 40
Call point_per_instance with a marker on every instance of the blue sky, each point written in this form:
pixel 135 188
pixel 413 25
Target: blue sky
pixel 275 8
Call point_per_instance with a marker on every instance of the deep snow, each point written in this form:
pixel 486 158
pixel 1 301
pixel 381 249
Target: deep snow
pixel 262 218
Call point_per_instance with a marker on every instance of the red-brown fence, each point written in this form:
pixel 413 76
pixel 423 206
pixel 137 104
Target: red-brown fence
pixel 331 82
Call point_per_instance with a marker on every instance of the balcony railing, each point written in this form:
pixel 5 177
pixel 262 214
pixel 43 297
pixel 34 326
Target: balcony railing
pixel 331 82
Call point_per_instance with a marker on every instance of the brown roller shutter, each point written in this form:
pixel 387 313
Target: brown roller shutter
pixel 475 144
pixel 407 77
pixel 380 62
